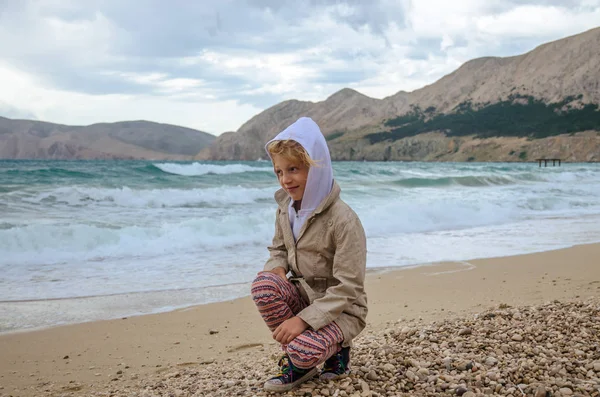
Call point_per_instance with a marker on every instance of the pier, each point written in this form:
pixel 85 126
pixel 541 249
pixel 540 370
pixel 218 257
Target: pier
pixel 554 161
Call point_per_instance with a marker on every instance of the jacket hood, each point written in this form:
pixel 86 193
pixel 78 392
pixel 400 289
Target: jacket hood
pixel 320 177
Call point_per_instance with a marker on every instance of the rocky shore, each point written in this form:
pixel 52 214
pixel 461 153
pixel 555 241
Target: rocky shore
pixel 551 349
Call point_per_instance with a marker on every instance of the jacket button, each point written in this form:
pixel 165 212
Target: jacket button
pixel 330 223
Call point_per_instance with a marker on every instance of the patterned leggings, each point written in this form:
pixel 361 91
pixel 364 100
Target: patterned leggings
pixel 278 300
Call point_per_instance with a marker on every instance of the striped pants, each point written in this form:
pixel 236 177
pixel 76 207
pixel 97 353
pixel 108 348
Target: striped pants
pixel 278 300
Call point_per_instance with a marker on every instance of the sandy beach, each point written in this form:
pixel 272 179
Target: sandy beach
pixel 117 357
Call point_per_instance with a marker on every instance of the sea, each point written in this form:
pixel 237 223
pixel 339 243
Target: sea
pixel 90 240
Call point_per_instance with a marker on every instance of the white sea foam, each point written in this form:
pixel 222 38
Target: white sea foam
pixel 42 243
pixel 413 216
pixel 514 238
pixel 196 169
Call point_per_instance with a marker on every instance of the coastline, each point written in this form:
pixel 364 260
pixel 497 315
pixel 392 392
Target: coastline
pixel 77 309
pixel 90 355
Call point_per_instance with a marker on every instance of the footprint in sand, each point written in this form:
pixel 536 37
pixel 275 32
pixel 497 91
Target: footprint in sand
pixel 245 346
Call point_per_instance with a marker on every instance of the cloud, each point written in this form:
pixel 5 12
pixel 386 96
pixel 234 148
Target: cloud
pixel 12 112
pixel 78 108
pixel 212 65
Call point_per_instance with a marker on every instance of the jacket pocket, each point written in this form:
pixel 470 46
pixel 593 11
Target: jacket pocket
pixel 320 284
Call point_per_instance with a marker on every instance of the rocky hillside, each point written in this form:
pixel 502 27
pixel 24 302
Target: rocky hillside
pixel 27 139
pixel 436 146
pixel 550 91
pixel 344 111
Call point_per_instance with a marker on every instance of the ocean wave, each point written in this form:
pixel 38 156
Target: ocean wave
pixel 415 177
pixel 6 225
pixel 416 216
pixel 469 181
pixel 50 172
pixel 197 169
pixel 151 198
pixel 473 180
pixel 81 242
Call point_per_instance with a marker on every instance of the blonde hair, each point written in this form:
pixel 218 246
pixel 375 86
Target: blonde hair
pixel 291 150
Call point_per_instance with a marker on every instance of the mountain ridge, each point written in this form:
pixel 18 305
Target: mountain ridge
pixel 549 73
pixel 136 139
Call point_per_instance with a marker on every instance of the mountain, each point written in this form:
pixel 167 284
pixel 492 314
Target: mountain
pixel 343 111
pixel 550 91
pixel 28 139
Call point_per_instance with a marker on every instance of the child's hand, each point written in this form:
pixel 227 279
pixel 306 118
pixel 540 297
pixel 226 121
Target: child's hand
pixel 289 330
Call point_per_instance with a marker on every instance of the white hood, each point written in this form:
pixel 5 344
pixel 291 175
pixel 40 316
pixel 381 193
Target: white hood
pixel 320 177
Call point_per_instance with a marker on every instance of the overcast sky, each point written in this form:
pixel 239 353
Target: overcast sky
pixel 213 64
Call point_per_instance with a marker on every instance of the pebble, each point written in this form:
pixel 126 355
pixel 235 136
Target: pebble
pixel 565 391
pixel 540 392
pixel 364 387
pixel 423 371
pixel 491 361
pixel 465 331
pixel 422 359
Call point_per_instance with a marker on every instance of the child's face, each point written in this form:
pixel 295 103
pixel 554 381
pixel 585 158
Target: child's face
pixel 292 176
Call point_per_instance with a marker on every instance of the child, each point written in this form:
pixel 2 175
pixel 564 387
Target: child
pixel 319 239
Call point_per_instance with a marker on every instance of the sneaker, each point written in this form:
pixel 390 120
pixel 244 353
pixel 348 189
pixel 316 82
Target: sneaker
pixel 337 366
pixel 289 376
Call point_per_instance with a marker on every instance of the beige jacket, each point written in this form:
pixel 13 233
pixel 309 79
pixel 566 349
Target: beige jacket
pixel 330 255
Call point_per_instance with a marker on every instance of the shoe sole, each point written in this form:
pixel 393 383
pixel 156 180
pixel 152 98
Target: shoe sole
pixel 278 388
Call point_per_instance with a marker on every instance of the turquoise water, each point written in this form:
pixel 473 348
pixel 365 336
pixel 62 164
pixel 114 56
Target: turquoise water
pixel 82 240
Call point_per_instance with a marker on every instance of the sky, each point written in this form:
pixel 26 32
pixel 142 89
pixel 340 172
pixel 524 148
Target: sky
pixel 213 64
